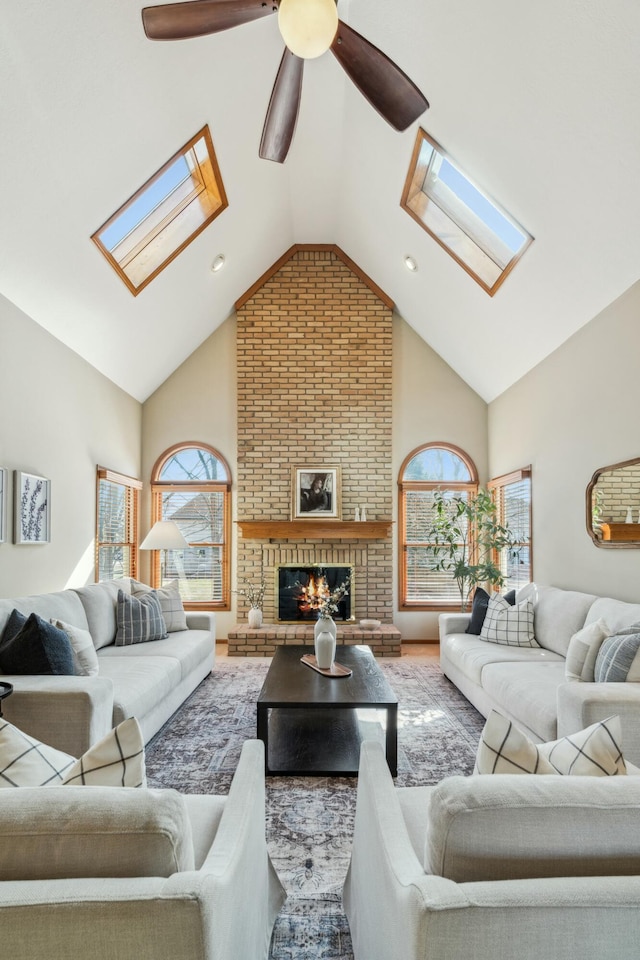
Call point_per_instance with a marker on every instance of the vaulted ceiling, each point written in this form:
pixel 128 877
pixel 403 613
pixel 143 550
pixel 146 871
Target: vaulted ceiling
pixel 537 102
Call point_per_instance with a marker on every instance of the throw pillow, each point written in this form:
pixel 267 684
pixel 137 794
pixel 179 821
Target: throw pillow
pixel 479 608
pixel 594 751
pixel 84 653
pixel 139 619
pixel 37 647
pixel 618 658
pixel 583 651
pixel 170 603
pixel 13 625
pixel 116 761
pixel 509 625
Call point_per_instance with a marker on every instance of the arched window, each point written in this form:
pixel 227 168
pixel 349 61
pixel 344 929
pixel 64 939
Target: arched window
pixel 434 466
pixel 191 484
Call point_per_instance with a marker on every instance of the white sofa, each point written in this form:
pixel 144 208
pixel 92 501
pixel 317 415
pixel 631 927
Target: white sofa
pixel 106 872
pixel 494 867
pixel 146 680
pixel 527 684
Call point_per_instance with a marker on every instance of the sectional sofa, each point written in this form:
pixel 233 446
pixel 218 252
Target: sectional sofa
pixel 528 684
pixel 146 680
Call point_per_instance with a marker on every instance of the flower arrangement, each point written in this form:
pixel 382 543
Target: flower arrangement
pixel 254 595
pixel 328 603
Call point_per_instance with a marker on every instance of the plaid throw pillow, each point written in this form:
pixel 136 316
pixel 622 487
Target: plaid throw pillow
pixel 509 625
pixel 139 619
pixel 170 603
pixel 116 761
pixel 594 751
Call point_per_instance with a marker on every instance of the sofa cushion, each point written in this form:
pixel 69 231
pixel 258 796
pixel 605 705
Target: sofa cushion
pixel 171 604
pixel 188 647
pixel 115 761
pixel 479 609
pixel 99 601
pixel 471 654
pixel 594 751
pixel 101 832
pixel 85 658
pixel 139 619
pixel 617 614
pixel 32 645
pixel 509 625
pixel 511 827
pixel 139 683
pixel 583 651
pixel 558 614
pixel 527 693
pixel 618 659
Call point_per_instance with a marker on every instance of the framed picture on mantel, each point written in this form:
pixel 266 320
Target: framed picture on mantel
pixel 315 492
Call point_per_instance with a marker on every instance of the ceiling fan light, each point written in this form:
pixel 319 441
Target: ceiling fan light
pixel 308 27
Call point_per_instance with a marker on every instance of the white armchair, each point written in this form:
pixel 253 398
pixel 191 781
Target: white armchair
pixel 123 874
pixel 494 867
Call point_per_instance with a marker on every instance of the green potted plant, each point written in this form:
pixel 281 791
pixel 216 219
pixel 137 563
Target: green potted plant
pixel 465 538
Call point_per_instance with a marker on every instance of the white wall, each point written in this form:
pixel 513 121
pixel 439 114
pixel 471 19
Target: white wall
pixel 59 418
pixel 197 402
pixel 576 411
pixel 430 403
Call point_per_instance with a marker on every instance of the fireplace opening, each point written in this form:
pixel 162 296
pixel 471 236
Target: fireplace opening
pixel 301 588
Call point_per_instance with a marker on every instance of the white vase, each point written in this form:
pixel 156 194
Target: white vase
pixel 325 647
pixel 325 623
pixel 254 617
pixel 629 516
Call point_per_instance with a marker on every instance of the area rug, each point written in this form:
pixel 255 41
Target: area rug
pixel 310 819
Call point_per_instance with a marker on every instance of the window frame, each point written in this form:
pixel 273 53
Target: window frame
pixel 133 486
pixel 158 487
pixel 495 487
pixel 471 486
pixel 134 264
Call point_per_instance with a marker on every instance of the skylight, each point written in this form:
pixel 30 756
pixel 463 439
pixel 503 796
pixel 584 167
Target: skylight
pixel 164 215
pixel 461 217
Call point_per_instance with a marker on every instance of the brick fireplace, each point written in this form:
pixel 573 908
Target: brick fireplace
pixel 314 356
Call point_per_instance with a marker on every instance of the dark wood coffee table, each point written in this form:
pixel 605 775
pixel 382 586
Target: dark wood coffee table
pixel 309 723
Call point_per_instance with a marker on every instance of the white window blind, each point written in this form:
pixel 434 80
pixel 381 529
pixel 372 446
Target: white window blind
pixel 512 495
pixel 117 521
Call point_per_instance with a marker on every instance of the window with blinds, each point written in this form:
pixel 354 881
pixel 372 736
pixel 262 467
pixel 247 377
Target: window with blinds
pixel 117 499
pixel 512 496
pixel 430 468
pixel 191 485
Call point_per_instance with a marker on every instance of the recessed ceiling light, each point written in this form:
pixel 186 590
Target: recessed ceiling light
pixel 218 263
pixel 410 264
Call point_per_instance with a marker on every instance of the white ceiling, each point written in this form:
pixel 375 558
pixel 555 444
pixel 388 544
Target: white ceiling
pixel 537 102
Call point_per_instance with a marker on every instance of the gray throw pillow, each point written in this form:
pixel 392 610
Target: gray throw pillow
pixel 618 659
pixel 139 620
pixel 170 603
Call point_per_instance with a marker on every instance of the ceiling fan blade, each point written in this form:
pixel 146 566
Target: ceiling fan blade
pixel 386 87
pixel 197 18
pixel 280 122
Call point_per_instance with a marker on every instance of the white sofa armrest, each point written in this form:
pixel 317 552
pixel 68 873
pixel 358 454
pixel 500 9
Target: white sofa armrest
pixel 453 623
pixel 69 713
pixel 388 898
pixel 202 620
pixel 581 704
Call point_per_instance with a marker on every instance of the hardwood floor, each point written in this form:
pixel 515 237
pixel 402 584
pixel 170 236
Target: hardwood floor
pixel 427 650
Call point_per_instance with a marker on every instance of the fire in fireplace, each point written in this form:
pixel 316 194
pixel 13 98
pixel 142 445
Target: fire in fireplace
pixel 300 590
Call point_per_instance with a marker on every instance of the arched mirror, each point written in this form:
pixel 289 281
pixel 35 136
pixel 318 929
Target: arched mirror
pixel 613 505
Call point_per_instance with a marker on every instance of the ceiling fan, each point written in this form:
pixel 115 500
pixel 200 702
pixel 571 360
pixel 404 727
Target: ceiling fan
pixel 309 28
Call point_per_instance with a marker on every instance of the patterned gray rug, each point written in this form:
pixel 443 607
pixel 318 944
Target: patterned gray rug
pixel 310 819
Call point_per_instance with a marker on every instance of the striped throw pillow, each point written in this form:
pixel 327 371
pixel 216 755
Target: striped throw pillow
pixel 618 658
pixel 139 619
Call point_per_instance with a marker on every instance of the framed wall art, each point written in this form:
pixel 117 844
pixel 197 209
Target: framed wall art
pixel 315 492
pixel 32 499
pixel 3 504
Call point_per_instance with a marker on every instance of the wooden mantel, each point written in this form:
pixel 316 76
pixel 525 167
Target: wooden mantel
pixel 314 529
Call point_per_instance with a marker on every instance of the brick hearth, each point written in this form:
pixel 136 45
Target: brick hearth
pixel 245 642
